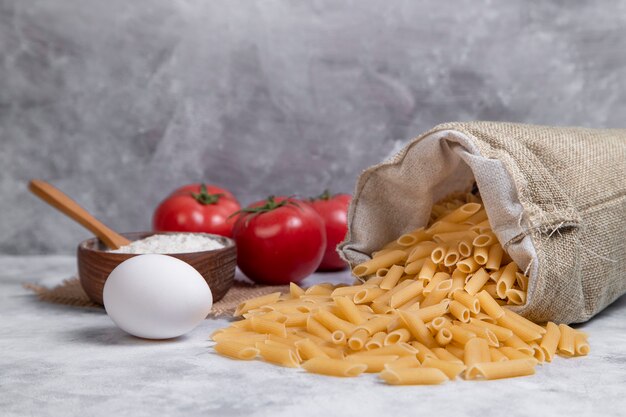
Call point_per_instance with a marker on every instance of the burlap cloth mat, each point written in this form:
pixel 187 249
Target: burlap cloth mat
pixel 70 293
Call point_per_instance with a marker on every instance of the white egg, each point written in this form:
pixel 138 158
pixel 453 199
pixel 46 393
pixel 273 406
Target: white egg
pixel 156 296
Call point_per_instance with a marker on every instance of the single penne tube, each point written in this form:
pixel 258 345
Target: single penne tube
pixel 494 257
pixel 443 336
pixel 411 238
pixel 446 227
pixel 316 328
pixel 282 356
pixel 468 300
pixel 467 265
pixel 404 362
pixel 428 270
pixel 476 351
pixel 413 376
pixel 452 257
pixel 507 279
pixel 415 267
pixel 461 335
pixel 260 325
pixel 420 251
pixel 485 239
pixel 567 342
pixel 501 333
pixel 458 282
pixel 550 340
pixel 481 255
pixel 375 363
pixel 418 328
pixel 339 337
pixel 496 355
pixel 382 272
pixel 383 261
pixel 397 336
pixel 480 216
pixel 477 281
pixel 350 290
pixel 439 323
pixel 334 367
pixel 295 291
pixel 358 339
pixel 438 254
pixel 381 252
pixel 451 369
pixel 332 322
pixel 436 279
pixel 498 370
pixel 320 289
pixel 349 310
pixel 459 311
pixel 524 332
pixel 236 350
pixel 524 321
pixel 438 294
pixel 465 246
pixel 454 237
pixel 489 305
pixel 256 303
pixel 518 344
pixel 392 277
pixel 462 213
pixel 308 350
pixel 516 297
pixel 581 346
pixel 376 324
pixel 445 355
pixel 437 310
pixel 296 320
pixel 410 291
pixel 376 341
pixel 367 295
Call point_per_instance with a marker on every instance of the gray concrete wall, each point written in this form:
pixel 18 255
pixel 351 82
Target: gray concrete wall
pixel 118 102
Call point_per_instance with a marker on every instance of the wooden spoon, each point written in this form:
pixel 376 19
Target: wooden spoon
pixel 70 208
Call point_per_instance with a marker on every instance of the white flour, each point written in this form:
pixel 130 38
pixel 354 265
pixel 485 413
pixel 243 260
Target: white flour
pixel 175 243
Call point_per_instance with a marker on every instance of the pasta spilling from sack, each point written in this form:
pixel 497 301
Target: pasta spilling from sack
pixel 433 306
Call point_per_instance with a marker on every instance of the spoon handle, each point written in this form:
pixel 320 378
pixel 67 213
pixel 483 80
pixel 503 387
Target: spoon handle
pixel 70 208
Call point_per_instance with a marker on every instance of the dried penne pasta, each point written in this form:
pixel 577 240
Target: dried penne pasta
pixel 256 302
pixel 433 301
pixel 567 342
pixel 236 350
pixel 413 376
pixel 497 370
pixel 383 261
pixel 334 367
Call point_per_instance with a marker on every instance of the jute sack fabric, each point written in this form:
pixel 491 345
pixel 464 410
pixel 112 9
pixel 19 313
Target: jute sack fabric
pixel 555 197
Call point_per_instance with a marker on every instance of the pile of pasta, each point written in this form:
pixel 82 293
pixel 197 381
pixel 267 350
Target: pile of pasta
pixel 432 306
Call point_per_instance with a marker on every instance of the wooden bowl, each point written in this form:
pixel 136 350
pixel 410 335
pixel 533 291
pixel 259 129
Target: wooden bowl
pixel 217 266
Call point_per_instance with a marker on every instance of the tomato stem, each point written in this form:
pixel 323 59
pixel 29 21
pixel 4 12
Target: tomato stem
pixel 270 204
pixel 205 198
pixel 326 195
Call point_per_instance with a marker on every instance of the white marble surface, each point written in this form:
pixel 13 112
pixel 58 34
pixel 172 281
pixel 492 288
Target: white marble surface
pixel 65 361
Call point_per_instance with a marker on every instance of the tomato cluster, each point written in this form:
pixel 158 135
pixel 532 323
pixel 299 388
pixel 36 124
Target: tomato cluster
pixel 279 239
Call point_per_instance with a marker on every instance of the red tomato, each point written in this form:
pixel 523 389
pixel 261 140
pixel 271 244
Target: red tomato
pixel 279 240
pixel 334 212
pixel 197 208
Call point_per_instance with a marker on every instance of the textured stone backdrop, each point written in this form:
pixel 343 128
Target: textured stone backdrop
pixel 118 102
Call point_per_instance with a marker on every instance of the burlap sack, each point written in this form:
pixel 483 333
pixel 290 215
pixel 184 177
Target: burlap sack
pixel 555 196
